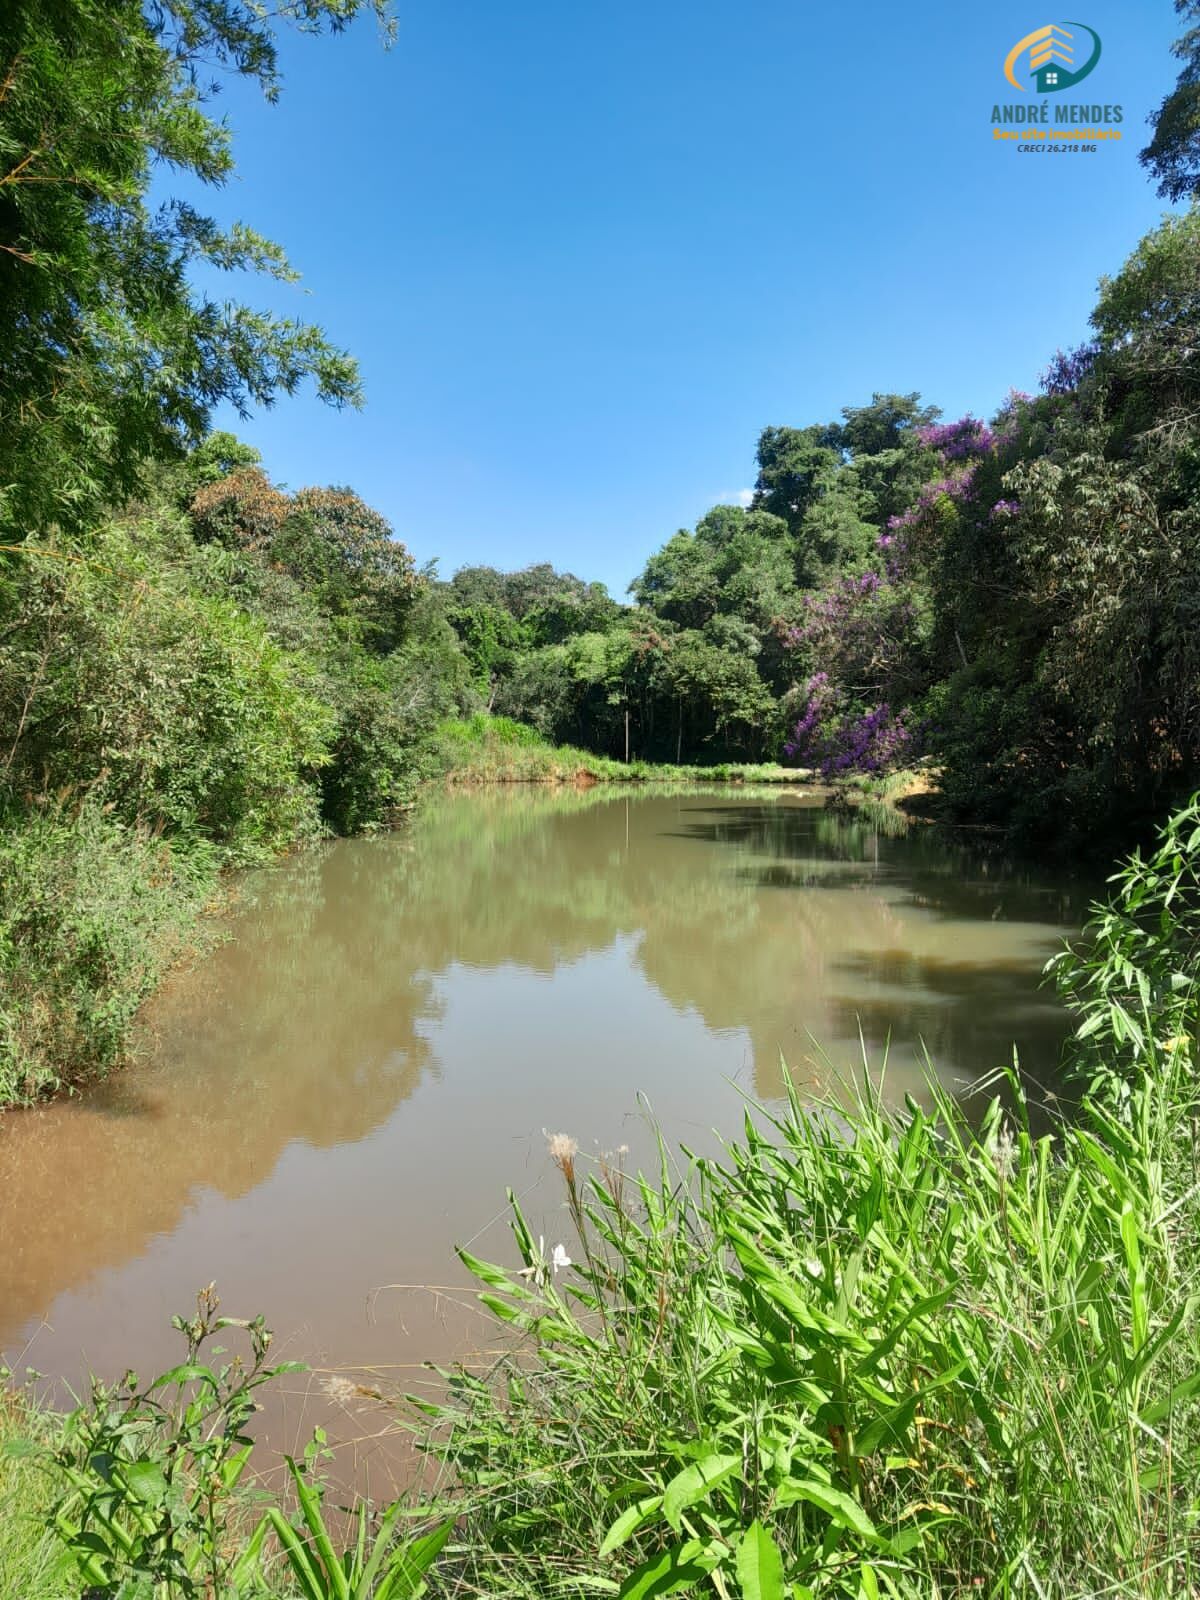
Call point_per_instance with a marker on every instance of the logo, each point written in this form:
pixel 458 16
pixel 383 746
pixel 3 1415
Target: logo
pixel 1057 56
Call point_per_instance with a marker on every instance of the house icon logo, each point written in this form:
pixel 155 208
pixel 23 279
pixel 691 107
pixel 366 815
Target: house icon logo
pixel 1057 57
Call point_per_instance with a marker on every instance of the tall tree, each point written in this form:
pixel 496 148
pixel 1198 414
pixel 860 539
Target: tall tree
pixel 112 355
pixel 1173 154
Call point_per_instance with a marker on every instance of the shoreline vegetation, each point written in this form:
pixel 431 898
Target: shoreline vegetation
pixel 863 1353
pixel 490 749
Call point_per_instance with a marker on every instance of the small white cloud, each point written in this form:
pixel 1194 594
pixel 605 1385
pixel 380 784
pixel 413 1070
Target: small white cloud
pixel 735 497
pixel 745 497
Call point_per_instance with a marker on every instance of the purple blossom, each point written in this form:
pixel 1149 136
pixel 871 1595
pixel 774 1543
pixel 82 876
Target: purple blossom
pixel 1069 368
pixel 1004 508
pixel 956 487
pixel 836 610
pixel 955 441
pixel 838 741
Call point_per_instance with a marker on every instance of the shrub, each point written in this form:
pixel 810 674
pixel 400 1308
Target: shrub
pixel 838 740
pixel 145 1491
pixel 117 668
pixel 92 911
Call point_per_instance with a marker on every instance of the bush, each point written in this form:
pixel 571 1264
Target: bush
pixel 92 911
pixel 116 667
pixel 378 752
pixel 144 1489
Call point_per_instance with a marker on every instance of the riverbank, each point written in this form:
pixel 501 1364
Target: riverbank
pixel 862 1354
pixel 95 910
pixel 93 914
pixel 486 749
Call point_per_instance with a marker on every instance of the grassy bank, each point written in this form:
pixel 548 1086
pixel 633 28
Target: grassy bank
pixel 862 1354
pixel 488 749
pixel 33 1563
pixel 920 1362
pixel 867 1354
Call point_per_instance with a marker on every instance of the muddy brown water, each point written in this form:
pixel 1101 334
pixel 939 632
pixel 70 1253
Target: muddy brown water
pixel 341 1092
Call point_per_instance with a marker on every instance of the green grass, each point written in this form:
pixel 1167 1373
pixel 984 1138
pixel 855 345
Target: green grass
pixel 918 1360
pixel 869 1353
pixel 33 1564
pixel 486 749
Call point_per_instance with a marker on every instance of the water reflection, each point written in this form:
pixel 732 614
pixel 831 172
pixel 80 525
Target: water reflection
pixel 343 1090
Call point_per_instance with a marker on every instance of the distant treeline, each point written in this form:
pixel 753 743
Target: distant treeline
pixel 1016 598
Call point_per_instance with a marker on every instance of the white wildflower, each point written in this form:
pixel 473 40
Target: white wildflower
pixel 340 1390
pixel 1004 1151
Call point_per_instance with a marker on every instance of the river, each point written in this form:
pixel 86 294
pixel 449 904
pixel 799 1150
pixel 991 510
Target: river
pixel 338 1093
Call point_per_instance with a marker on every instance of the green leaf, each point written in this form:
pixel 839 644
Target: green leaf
pixel 696 1483
pixel 185 1374
pixel 1182 1391
pixel 502 1309
pixel 494 1277
pixel 310 1506
pixel 294 1548
pixel 145 1481
pixel 409 1566
pixel 841 1508
pixel 246 1564
pixel 630 1520
pixel 383 1536
pixel 759 1565
pixel 868 1583
pixel 666 1573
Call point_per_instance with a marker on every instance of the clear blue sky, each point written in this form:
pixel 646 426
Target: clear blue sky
pixel 585 252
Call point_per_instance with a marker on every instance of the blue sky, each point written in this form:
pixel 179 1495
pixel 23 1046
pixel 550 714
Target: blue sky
pixel 584 252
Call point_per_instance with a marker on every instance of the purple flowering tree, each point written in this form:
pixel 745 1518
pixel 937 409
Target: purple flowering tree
pixel 964 440
pixel 864 640
pixel 839 740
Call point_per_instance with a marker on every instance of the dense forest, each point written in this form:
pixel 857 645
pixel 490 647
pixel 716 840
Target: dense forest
pixel 1014 598
pixel 199 667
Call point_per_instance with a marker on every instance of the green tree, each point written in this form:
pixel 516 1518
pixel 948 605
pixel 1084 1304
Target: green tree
pixel 120 673
pixel 795 465
pixel 1173 154
pixel 113 356
pixel 680 582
